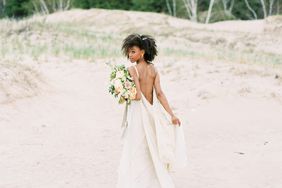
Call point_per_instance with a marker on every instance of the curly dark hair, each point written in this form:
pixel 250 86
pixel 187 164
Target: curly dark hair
pixel 144 42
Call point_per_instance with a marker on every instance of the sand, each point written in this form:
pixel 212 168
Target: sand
pixel 69 136
pixel 60 128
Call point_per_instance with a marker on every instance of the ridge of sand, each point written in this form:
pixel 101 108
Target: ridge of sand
pixel 120 18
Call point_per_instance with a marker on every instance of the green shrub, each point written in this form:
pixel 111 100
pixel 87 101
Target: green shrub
pixel 17 8
pixel 216 16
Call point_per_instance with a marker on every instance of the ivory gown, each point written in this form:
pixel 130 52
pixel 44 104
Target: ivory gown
pixel 152 146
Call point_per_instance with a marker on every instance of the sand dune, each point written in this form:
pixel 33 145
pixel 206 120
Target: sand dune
pixel 55 129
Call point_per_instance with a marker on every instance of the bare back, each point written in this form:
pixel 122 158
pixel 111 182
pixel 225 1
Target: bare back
pixel 146 76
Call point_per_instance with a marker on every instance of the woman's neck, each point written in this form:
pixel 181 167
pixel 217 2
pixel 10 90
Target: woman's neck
pixel 141 62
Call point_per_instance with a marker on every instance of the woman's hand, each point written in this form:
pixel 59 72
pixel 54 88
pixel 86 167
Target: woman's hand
pixel 175 120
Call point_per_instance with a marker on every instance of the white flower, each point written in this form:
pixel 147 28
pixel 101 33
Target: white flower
pixel 119 74
pixel 118 85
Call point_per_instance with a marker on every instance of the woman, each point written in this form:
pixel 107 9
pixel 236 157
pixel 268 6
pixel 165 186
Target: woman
pixel 142 164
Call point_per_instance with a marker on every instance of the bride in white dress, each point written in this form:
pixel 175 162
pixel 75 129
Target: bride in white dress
pixel 153 140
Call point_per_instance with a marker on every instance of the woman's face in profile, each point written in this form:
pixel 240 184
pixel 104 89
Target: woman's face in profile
pixel 135 53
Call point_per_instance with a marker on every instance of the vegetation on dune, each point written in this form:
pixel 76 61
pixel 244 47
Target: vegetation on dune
pixel 205 11
pixel 40 36
pixel 93 36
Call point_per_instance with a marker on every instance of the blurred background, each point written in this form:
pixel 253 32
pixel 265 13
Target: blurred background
pixel 204 11
pixel 220 64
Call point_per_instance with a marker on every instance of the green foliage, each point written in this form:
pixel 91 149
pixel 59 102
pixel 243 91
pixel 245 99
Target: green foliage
pixel 22 8
pixel 149 5
pixel 241 11
pixel 203 5
pixel 217 14
pixel 17 8
pixel 112 4
pixel 84 4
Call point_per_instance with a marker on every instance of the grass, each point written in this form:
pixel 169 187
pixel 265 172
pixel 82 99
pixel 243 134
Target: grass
pixel 59 40
pixel 34 37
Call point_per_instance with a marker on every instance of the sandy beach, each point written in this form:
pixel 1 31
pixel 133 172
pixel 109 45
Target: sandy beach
pixel 62 136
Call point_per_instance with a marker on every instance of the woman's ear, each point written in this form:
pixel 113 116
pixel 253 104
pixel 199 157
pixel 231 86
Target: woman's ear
pixel 143 52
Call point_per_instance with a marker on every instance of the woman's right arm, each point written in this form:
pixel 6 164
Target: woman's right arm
pixel 163 100
pixel 133 74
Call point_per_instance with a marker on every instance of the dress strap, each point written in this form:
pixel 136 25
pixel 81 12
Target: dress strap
pixel 136 71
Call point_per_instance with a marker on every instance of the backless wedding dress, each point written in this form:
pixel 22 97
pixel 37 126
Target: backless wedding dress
pixel 152 146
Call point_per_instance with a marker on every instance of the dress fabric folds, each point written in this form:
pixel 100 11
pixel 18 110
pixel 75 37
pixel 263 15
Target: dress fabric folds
pixel 152 147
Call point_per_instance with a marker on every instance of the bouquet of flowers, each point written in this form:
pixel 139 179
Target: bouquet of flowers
pixel 121 85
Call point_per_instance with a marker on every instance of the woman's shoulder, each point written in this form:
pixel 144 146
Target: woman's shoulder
pixel 131 70
pixel 153 68
pixel 130 67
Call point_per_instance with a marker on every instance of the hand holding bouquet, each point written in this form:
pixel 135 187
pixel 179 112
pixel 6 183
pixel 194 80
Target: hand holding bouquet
pixel 122 85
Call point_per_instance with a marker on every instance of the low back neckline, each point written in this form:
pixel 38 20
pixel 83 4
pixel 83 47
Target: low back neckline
pixel 141 91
